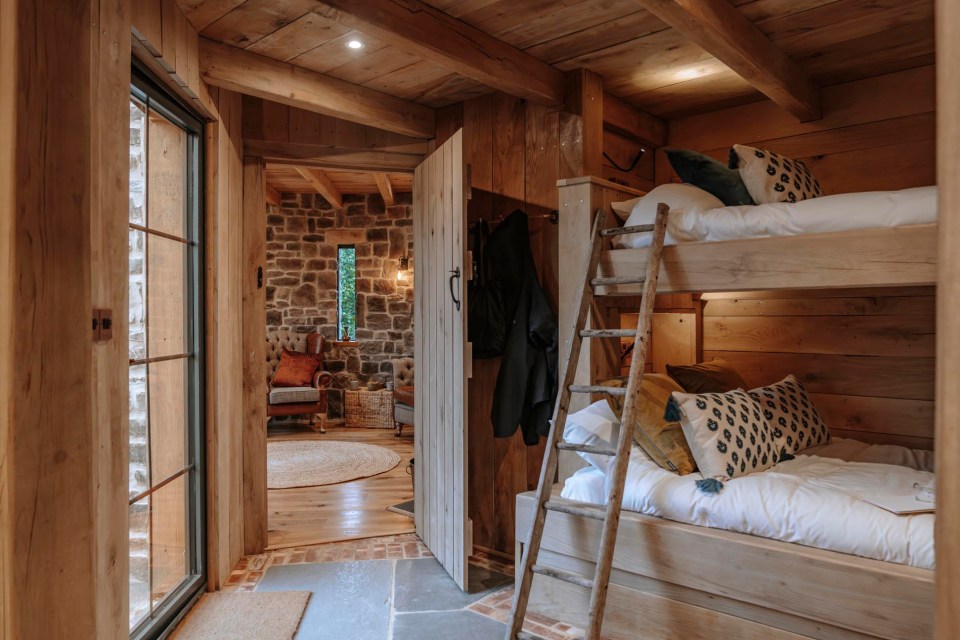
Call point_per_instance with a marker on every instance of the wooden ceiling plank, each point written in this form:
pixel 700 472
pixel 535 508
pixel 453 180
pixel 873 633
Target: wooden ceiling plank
pixel 386 189
pixel 725 33
pixel 628 120
pixel 439 38
pixel 237 70
pixel 323 184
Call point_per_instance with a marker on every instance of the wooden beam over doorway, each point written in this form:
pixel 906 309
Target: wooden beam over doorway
pixel 719 28
pixel 386 189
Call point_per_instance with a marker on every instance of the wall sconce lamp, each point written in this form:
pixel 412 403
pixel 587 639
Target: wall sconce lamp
pixel 403 267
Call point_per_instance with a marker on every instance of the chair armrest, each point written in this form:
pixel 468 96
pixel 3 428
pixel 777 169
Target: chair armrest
pixel 322 380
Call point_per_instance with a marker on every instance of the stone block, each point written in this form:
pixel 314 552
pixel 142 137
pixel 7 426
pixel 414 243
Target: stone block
pixel 305 295
pixel 378 321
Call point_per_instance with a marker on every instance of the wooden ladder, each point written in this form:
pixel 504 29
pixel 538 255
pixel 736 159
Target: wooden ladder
pixel 610 515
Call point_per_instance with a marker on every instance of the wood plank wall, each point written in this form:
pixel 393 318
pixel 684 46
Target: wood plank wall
pixel 866 355
pixel 513 150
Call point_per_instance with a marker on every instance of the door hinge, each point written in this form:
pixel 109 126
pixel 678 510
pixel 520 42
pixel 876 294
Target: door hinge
pixel 102 325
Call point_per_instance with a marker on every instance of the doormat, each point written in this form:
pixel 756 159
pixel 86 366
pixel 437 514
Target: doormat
pixel 244 615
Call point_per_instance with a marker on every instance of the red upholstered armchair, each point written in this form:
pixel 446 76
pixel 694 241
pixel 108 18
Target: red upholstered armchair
pixel 294 401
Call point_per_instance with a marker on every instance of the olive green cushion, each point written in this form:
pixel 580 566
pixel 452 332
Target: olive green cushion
pixel 660 439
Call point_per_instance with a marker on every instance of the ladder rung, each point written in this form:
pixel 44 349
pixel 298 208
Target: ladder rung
pixel 587 448
pixel 613 280
pixel 619 231
pixel 608 333
pixel 595 388
pixel 561 574
pixel 526 635
pixel 586 511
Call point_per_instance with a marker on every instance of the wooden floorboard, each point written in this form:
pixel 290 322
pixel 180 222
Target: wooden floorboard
pixel 346 511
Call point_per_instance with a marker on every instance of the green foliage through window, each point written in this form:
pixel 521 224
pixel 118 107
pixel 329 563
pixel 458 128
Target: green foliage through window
pixel 347 292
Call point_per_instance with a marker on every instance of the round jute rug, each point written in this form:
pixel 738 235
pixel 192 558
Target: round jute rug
pixel 309 463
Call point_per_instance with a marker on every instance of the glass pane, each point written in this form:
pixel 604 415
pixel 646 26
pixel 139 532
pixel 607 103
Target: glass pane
pixel 166 291
pixel 137 310
pixel 167 164
pixel 168 410
pixel 169 534
pixel 139 561
pixel 139 452
pixel 138 163
pixel 347 293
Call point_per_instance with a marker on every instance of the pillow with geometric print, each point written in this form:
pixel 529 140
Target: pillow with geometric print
pixel 726 432
pixel 771 177
pixel 795 422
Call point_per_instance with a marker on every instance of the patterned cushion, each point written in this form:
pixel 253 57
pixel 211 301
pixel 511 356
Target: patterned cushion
pixel 404 395
pixel 726 433
pixel 771 177
pixel 661 439
pixel 289 395
pixel 795 422
pixel 296 369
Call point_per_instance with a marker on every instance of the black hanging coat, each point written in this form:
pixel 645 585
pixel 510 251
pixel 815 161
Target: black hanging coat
pixel 527 383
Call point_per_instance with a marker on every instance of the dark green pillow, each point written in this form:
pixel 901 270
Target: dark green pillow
pixel 710 175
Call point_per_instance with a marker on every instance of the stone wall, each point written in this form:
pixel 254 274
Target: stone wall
pixel 303 235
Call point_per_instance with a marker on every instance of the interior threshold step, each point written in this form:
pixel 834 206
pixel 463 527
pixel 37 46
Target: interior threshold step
pixel 562 574
pixel 585 511
pixel 607 281
pixel 586 448
pixel 526 635
pixel 596 388
pixel 608 333
pixel 619 231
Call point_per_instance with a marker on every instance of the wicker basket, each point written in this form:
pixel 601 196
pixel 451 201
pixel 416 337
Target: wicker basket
pixel 368 409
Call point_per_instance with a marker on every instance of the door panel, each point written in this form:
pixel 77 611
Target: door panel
pixel 440 440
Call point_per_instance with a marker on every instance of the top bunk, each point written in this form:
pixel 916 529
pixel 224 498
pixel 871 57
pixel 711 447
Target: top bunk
pixel 889 256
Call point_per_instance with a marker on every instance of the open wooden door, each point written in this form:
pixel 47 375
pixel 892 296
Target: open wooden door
pixel 441 353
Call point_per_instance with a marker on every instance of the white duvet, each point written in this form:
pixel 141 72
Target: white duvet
pixel 811 500
pixel 843 212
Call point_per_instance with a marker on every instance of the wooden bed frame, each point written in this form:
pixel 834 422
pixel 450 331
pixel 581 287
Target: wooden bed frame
pixel 673 580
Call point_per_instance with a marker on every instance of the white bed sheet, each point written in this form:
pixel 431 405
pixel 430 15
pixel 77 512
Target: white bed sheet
pixel 843 212
pixel 810 500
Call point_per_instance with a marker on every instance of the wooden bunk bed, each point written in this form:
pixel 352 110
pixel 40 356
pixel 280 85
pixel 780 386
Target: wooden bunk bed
pixel 676 580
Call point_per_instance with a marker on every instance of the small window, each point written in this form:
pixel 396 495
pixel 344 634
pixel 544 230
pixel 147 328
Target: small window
pixel 347 292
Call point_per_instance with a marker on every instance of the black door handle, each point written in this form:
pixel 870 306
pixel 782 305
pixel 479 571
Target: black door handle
pixel 455 273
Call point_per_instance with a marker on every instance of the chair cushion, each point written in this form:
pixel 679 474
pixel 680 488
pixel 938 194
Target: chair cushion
pixel 290 395
pixel 404 414
pixel 404 395
pixel 296 369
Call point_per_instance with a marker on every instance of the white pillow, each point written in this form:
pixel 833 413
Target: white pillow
pixel 596 425
pixel 686 203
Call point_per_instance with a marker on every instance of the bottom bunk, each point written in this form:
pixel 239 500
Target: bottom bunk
pixel 673 581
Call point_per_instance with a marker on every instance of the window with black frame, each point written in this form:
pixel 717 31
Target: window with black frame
pixel 167 566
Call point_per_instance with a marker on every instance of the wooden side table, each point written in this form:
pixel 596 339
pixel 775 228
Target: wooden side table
pixel 368 409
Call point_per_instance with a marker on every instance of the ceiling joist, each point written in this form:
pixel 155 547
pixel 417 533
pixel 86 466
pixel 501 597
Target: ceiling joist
pixel 332 157
pixel 238 70
pixel 323 184
pixel 386 189
pixel 722 31
pixel 444 40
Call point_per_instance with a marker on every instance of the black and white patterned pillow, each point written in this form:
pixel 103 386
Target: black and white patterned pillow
pixel 795 422
pixel 726 433
pixel 770 177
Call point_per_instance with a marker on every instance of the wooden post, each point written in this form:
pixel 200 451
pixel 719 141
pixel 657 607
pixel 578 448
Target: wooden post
pixel 948 330
pixel 581 126
pixel 64 86
pixel 254 357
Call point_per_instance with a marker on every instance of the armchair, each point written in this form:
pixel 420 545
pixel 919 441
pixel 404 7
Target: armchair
pixel 403 385
pixel 293 401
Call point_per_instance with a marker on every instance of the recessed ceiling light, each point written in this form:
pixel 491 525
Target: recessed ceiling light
pixel 354 44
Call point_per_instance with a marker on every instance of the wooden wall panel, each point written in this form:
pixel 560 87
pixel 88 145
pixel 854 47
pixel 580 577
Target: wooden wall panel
pixel 866 359
pixel 224 340
pixel 63 180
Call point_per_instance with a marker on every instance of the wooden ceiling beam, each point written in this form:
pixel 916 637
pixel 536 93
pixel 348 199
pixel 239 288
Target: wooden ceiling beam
pixel 273 196
pixel 386 189
pixel 323 184
pixel 332 157
pixel 444 40
pixel 627 120
pixel 238 70
pixel 720 29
